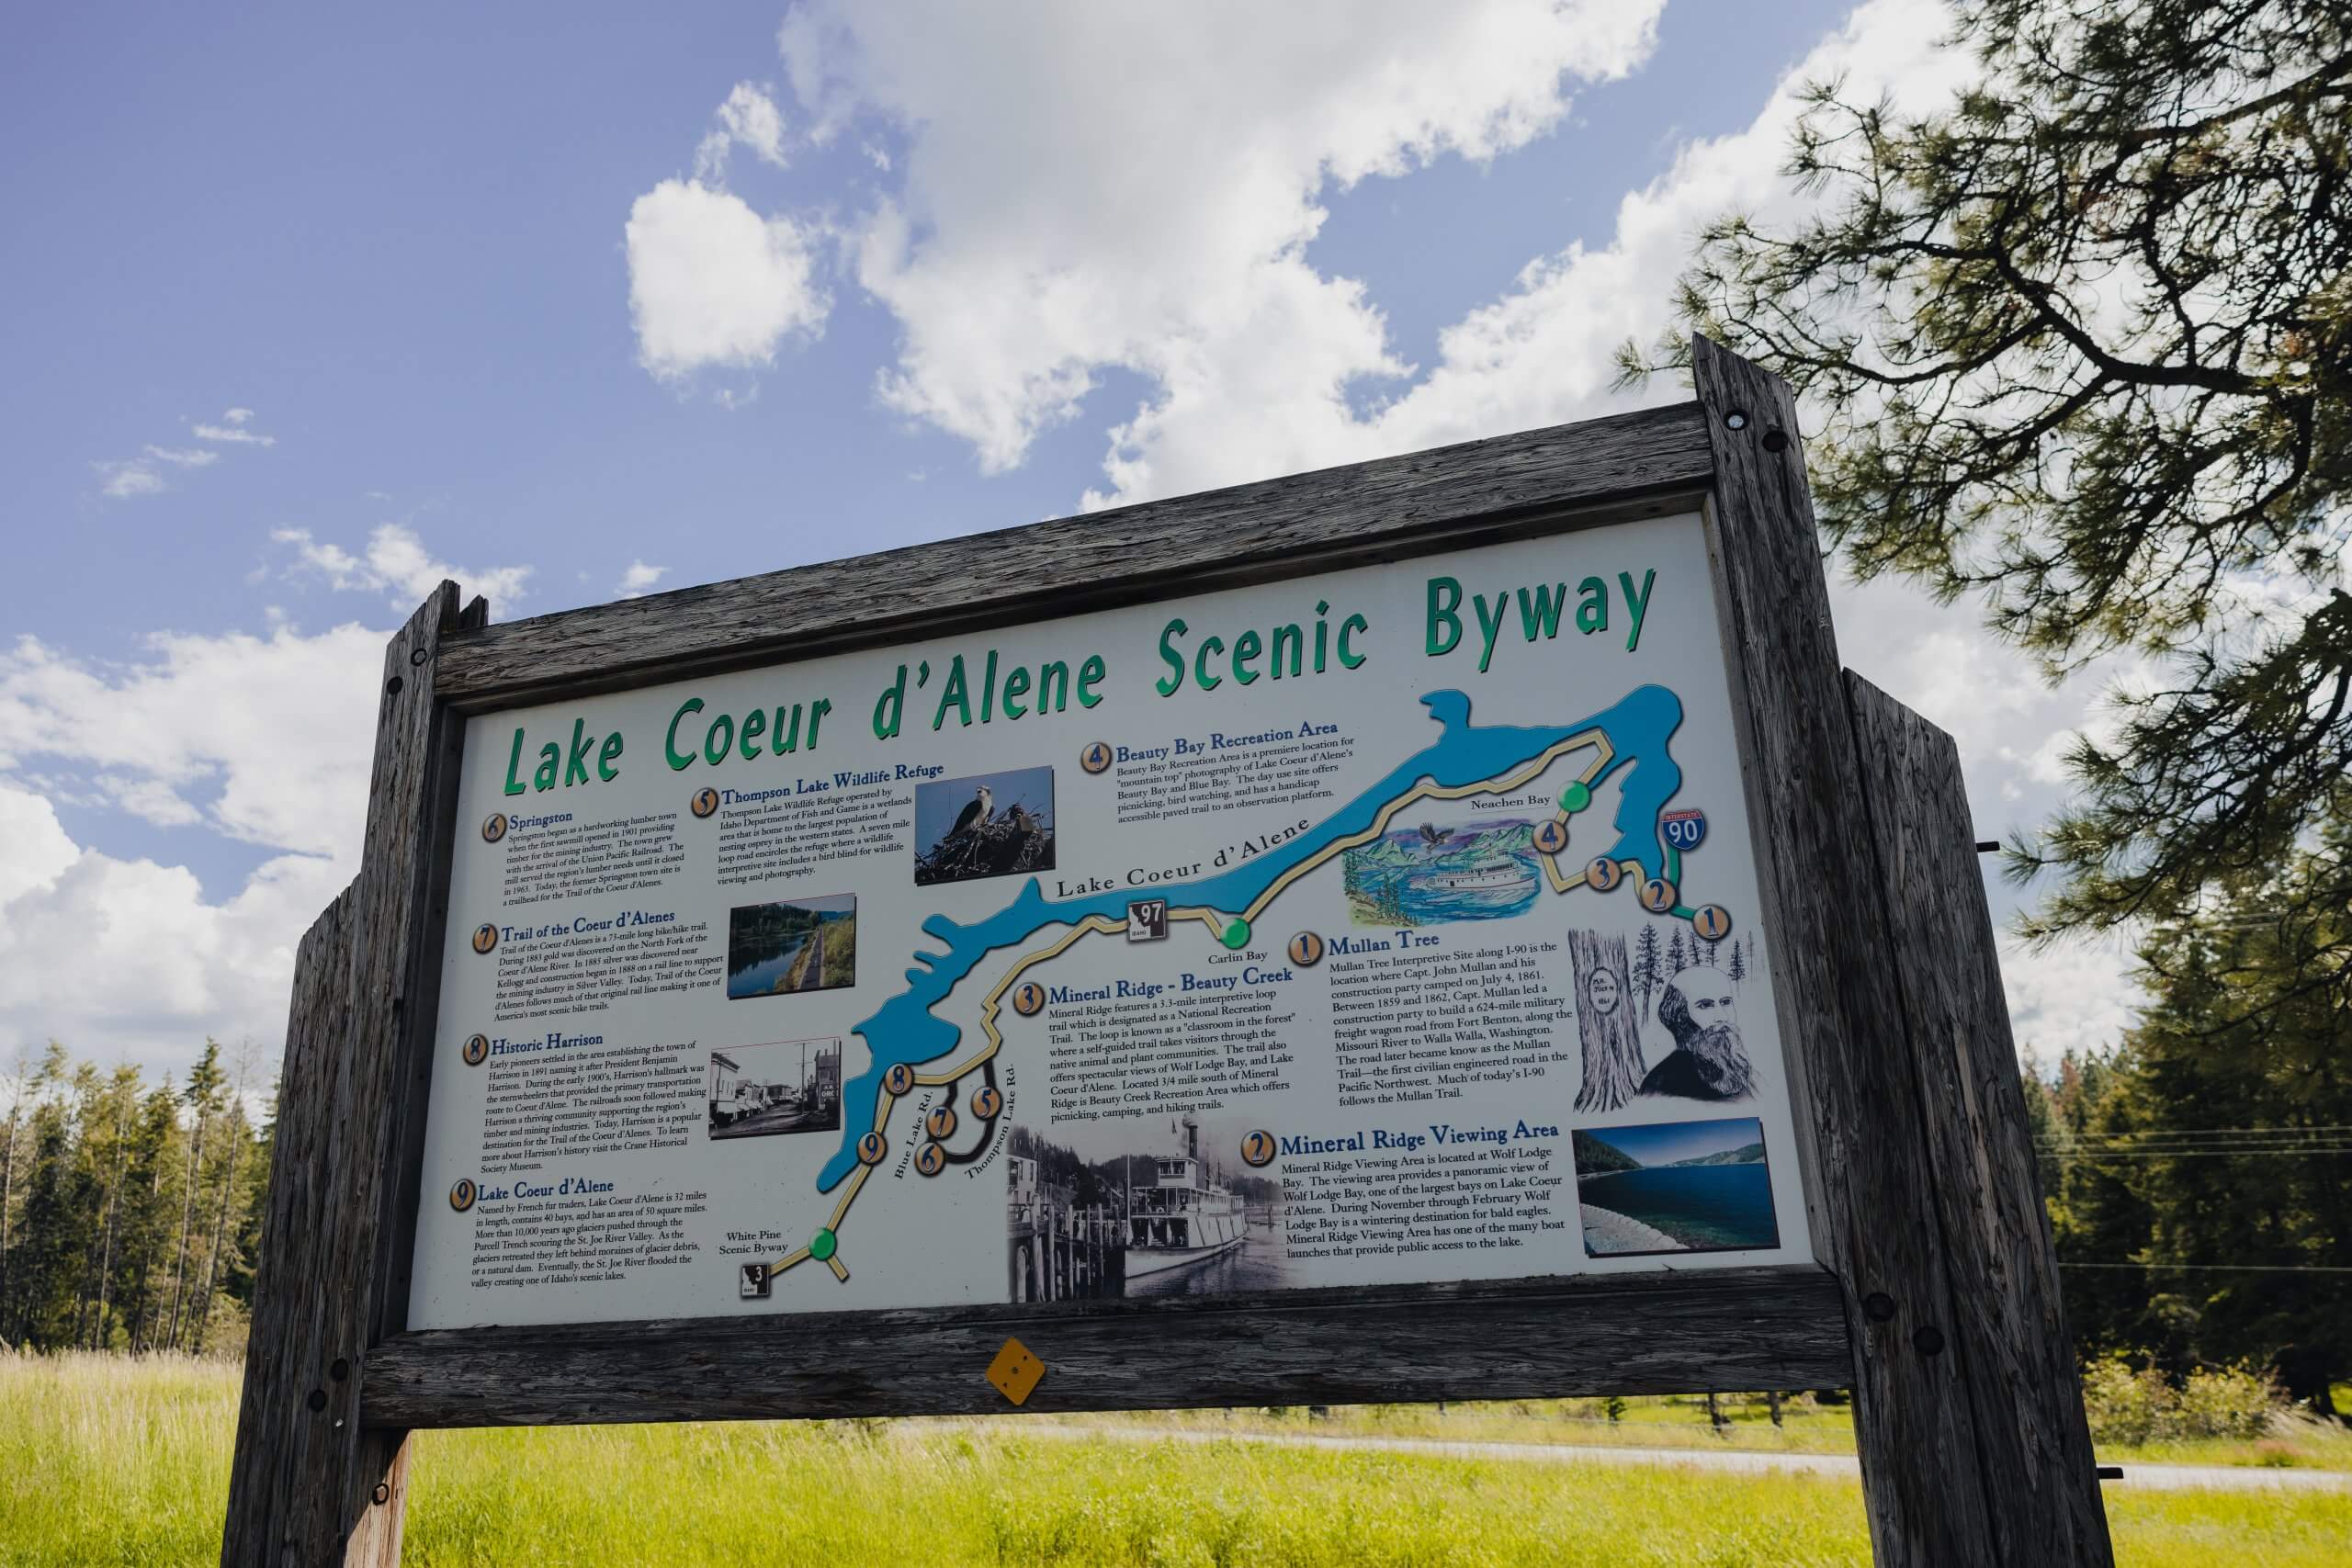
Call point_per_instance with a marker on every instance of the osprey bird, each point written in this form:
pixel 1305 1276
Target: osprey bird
pixel 1022 819
pixel 982 807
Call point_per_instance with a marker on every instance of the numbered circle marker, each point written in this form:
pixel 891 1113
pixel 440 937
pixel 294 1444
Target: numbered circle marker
pixel 1029 998
pixel 1603 873
pixel 872 1147
pixel 477 1047
pixel 899 1078
pixel 1257 1146
pixel 1658 895
pixel 494 827
pixel 1306 950
pixel 1685 831
pixel 485 937
pixel 1095 758
pixel 461 1196
pixel 931 1159
pixel 1713 921
pixel 705 801
pixel 941 1123
pixel 988 1102
pixel 1551 837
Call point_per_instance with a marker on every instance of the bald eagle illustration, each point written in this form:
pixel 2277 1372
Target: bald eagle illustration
pixel 982 807
pixel 1435 836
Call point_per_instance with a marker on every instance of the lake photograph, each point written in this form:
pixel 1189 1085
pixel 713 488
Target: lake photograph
pixel 1674 1187
pixel 800 944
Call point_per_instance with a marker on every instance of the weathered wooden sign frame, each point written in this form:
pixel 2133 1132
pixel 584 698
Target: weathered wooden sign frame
pixel 1936 1297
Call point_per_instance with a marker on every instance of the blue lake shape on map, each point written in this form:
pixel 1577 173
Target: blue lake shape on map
pixel 1638 727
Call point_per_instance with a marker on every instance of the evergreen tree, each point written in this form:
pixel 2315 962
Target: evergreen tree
pixel 2079 345
pixel 1645 963
pixel 1738 969
pixel 1677 961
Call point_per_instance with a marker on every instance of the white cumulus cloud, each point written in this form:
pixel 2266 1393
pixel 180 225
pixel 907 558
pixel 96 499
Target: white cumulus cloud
pixel 265 740
pixel 1088 187
pixel 714 284
pixel 748 117
pixel 396 562
pixel 639 579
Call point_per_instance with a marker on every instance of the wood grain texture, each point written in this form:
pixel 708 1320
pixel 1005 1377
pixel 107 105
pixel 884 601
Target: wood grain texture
pixel 2008 1322
pixel 301 1491
pixel 282 1446
pixel 1750 1328
pixel 1452 496
pixel 1859 1110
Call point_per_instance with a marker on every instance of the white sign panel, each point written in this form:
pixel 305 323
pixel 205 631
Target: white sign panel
pixel 1390 925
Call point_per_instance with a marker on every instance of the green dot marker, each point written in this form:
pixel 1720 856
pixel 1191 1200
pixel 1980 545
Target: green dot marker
pixel 1577 796
pixel 1236 933
pixel 822 1246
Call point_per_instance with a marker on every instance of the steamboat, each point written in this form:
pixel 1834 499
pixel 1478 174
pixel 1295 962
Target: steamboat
pixel 1500 874
pixel 1186 1216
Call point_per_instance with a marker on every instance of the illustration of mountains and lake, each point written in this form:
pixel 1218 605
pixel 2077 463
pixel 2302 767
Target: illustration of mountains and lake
pixel 1431 873
pixel 1674 1187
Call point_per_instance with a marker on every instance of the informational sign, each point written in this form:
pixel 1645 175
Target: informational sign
pixel 1395 924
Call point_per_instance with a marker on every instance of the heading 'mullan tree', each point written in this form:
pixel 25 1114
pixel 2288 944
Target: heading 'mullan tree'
pixel 2082 339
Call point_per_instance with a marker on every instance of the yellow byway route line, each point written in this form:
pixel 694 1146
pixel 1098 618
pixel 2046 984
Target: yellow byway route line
pixel 1104 925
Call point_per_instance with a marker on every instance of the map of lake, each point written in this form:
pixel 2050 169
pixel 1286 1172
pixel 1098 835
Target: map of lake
pixel 1637 728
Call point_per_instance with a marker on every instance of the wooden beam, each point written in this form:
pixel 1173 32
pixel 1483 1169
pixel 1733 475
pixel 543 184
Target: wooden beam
pixel 1862 1136
pixel 309 1484
pixel 1629 466
pixel 1648 1333
pixel 2007 1324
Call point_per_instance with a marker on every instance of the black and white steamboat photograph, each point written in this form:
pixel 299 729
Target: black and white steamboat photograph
pixel 1159 1207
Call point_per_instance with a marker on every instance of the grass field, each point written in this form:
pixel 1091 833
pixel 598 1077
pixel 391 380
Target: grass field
pixel 128 1464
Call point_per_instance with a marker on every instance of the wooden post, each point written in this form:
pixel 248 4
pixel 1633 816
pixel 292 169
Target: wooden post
pixel 309 1484
pixel 1949 1282
pixel 2009 1325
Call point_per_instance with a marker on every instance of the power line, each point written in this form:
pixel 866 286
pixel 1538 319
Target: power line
pixel 2225 1268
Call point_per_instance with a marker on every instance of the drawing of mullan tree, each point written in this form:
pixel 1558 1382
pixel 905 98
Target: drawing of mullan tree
pixel 1610 1035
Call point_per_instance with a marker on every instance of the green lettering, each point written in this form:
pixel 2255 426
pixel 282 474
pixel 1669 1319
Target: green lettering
pixel 718 740
pixel 1297 645
pixel 1443 615
pixel 1093 669
pixel 1014 684
pixel 1489 630
pixel 817 712
pixel 953 693
pixel 1167 685
pixel 550 764
pixel 1637 604
pixel 513 762
pixel 608 757
pixel 1544 614
pixel 575 762
pixel 1348 628
pixel 1053 687
pixel 1246 646
pixel 1592 612
pixel 1210 646
pixel 755 724
pixel 670 741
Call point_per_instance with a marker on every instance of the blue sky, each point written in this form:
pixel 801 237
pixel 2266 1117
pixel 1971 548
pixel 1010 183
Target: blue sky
pixel 309 308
